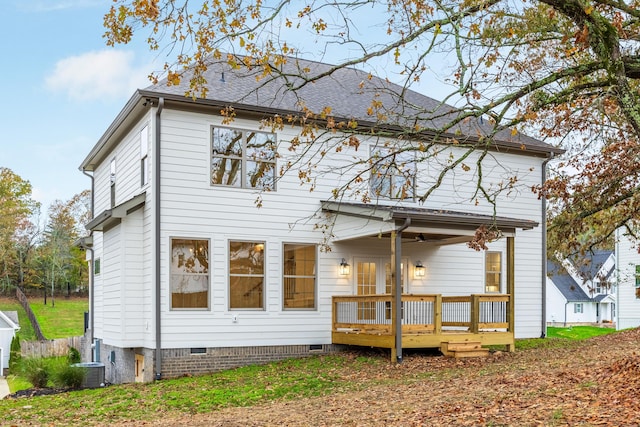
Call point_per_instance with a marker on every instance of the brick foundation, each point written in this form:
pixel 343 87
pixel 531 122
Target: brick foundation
pixel 180 362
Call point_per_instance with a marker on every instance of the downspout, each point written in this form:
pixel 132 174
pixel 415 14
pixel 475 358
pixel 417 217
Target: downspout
pixel 398 286
pixel 91 276
pixel 156 202
pixel 544 251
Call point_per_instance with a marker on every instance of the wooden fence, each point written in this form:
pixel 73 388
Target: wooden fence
pixel 50 348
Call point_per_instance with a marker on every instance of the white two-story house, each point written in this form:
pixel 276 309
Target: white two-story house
pixel 218 242
pixel 582 290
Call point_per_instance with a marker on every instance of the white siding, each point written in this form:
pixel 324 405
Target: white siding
pixel 192 208
pixel 627 305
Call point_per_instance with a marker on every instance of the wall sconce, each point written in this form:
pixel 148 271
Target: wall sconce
pixel 345 268
pixel 419 270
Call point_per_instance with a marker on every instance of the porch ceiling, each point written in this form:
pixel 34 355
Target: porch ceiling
pixel 427 225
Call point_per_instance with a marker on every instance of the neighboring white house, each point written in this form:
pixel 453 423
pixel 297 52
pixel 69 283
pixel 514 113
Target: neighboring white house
pixel 8 328
pixel 190 275
pixel 583 291
pixel 628 278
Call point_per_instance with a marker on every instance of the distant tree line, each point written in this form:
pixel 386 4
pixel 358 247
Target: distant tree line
pixel 37 252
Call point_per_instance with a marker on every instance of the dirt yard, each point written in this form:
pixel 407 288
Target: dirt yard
pixel 593 383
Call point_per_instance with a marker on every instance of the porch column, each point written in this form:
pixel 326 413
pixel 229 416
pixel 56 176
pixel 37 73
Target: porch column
pixel 511 314
pixel 396 350
pixel 396 290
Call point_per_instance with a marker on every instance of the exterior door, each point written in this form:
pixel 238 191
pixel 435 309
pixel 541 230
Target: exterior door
pixel 139 368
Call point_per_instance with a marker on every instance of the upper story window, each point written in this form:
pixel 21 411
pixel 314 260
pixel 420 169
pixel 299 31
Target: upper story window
pixel 493 272
pixel 144 156
pixel 243 159
pixel 393 174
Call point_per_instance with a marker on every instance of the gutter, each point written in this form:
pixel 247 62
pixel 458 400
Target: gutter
pixel 91 273
pixel 544 252
pixel 398 286
pixel 156 202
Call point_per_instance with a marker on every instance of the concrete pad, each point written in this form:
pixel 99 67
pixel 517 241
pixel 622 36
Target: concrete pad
pixel 4 388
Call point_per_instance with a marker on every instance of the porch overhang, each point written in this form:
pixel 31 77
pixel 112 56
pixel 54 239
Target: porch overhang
pixel 432 225
pixel 112 217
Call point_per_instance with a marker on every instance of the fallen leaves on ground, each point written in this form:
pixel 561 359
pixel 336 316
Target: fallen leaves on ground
pixel 592 383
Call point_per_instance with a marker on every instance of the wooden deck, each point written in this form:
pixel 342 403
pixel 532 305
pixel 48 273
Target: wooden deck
pixel 428 321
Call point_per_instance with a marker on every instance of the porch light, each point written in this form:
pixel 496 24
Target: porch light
pixel 345 268
pixel 419 270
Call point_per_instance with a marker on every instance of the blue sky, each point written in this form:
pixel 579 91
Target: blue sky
pixel 62 87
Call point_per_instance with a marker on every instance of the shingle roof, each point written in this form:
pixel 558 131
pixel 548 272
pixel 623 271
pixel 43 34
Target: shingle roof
pixel 348 91
pixel 565 284
pixel 589 265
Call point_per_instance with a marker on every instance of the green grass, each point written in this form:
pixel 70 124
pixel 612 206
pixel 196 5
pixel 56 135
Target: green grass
pixel 12 304
pixel 578 332
pixel 65 319
pixel 288 380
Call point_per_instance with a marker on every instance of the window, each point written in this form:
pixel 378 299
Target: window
pixel 246 275
pixel 96 267
pixel 637 275
pixel 392 174
pixel 299 276
pixel 243 159
pixel 144 156
pixel 189 274
pixel 578 307
pixel 493 272
pixel 112 181
pixel 388 284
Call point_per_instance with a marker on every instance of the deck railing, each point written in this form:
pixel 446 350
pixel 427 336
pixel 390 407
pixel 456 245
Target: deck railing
pixel 422 313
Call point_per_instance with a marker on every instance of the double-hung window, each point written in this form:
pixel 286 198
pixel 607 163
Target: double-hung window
pixel 243 159
pixel 299 277
pixel 578 307
pixel 246 275
pixel 189 274
pixel 392 173
pixel 637 277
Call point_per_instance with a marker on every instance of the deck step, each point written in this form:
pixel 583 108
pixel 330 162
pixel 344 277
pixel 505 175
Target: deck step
pixel 463 349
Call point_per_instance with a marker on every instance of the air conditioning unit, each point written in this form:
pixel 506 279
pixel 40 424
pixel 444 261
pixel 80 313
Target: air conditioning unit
pixel 95 374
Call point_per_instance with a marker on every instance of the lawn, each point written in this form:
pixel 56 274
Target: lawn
pixel 536 386
pixel 65 319
pixel 578 332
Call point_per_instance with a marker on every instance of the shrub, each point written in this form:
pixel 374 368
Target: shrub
pixel 36 370
pixel 73 356
pixel 68 376
pixel 15 355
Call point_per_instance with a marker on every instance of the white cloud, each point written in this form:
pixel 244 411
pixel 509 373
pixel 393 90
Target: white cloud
pixel 100 74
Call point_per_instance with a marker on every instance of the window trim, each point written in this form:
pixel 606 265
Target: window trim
pixel 96 262
pixel 144 156
pixel 209 293
pixel 315 277
pixel 264 275
pixel 487 271
pixel 243 158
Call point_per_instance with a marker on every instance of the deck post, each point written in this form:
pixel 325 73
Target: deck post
pixel 475 314
pixel 511 314
pixel 437 315
pixel 396 351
